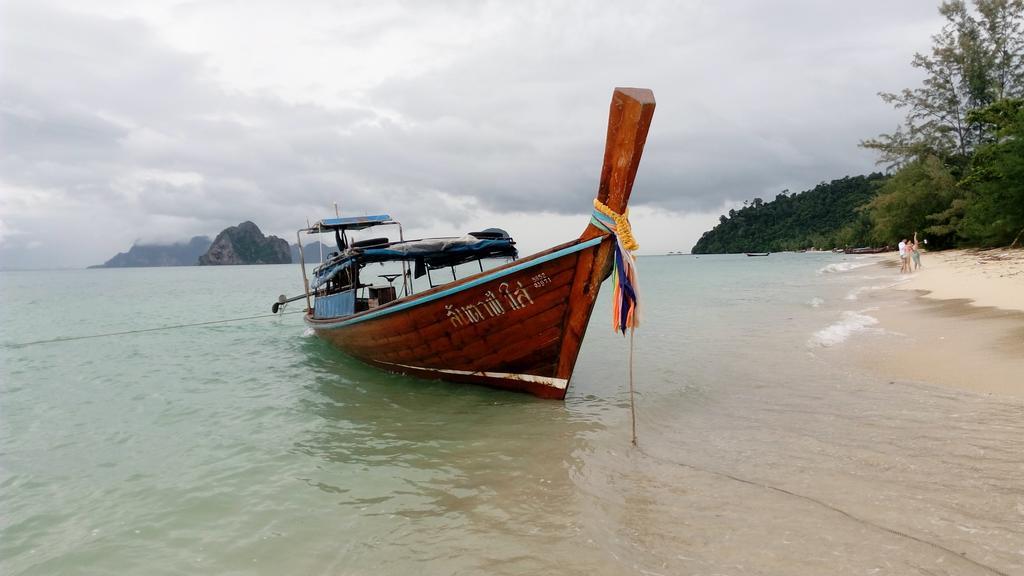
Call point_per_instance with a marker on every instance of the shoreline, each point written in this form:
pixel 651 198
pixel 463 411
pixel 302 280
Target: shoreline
pixel 957 322
pixel 984 277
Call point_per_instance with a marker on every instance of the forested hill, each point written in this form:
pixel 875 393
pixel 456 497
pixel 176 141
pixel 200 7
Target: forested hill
pixel 825 217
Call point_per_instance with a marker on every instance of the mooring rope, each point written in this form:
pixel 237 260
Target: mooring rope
pixel 961 555
pixel 625 279
pixel 625 282
pixel 141 330
pixel 623 229
pixel 632 394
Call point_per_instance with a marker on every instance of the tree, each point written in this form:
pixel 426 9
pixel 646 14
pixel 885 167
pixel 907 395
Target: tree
pixel 958 152
pixel 916 198
pixel 976 59
pixel 1003 30
pixel 994 212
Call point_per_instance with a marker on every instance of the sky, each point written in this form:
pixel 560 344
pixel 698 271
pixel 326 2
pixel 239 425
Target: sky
pixel 123 121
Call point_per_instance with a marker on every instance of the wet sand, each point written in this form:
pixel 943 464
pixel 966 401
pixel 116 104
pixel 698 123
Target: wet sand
pixel 957 321
pixel 985 277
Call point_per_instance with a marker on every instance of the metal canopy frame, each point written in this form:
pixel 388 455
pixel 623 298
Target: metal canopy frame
pixel 341 225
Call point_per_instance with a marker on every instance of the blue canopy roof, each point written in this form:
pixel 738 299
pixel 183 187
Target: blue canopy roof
pixel 352 222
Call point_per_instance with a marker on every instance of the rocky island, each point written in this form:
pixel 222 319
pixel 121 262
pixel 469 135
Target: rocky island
pixel 141 255
pixel 246 244
pixel 242 244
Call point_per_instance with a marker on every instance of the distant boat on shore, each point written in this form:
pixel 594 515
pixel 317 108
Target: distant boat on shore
pixel 868 250
pixel 758 253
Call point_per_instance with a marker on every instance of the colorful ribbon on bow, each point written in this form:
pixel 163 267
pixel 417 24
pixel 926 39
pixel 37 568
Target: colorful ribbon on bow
pixel 625 297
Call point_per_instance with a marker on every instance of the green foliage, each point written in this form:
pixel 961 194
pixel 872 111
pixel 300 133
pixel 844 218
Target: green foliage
pixel 960 151
pixel 976 60
pixel 824 218
pixel 994 214
pixel 958 157
pixel 916 198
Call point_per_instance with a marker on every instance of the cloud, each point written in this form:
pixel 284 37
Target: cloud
pixel 124 121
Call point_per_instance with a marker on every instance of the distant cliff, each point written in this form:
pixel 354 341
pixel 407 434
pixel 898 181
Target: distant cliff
pixel 179 254
pixel 311 251
pixel 245 244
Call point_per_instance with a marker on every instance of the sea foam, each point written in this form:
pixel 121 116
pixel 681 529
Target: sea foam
pixel 849 324
pixel 842 267
pixel 856 292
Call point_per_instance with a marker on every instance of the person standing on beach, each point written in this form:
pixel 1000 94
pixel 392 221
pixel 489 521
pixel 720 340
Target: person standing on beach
pixel 911 246
pixel 916 253
pixel 904 267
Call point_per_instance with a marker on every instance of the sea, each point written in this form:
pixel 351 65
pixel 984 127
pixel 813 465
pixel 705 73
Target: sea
pixel 188 431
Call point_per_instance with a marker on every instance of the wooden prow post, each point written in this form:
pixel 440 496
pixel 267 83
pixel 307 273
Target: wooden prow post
pixel 628 122
pixel 629 119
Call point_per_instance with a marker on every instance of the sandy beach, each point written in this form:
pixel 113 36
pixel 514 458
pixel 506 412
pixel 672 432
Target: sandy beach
pixel 987 278
pixel 957 321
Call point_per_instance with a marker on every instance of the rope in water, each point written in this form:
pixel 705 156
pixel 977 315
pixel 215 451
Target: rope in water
pixel 141 330
pixel 625 280
pixel 961 555
pixel 632 392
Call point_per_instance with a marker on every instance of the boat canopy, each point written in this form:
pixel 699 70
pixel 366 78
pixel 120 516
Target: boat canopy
pixel 432 253
pixel 441 252
pixel 350 223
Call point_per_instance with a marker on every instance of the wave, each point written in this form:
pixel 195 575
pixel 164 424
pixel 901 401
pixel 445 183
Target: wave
pixel 876 277
pixel 842 267
pixel 816 302
pixel 856 292
pixel 849 324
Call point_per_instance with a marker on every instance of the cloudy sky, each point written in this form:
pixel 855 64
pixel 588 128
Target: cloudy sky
pixel 125 121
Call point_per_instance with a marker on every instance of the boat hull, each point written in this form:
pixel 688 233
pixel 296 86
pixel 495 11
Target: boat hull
pixel 517 327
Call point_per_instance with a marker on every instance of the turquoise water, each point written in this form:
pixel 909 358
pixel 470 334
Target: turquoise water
pixel 254 448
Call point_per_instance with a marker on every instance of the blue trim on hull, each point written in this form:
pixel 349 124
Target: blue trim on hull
pixel 456 289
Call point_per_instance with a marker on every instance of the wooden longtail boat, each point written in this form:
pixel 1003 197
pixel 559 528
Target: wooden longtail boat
pixel 758 253
pixel 518 326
